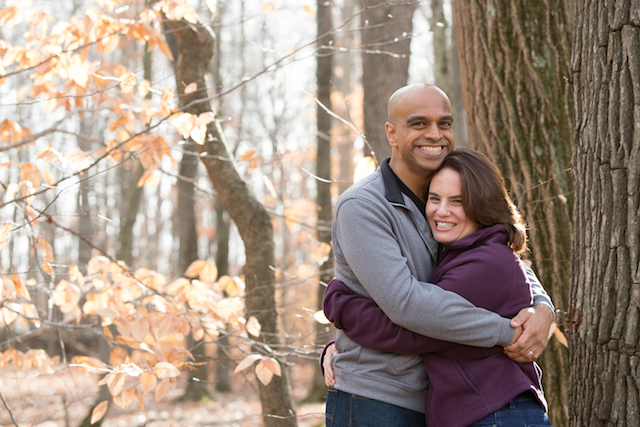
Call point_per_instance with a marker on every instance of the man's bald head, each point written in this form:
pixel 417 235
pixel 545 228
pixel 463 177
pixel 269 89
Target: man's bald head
pixel 418 89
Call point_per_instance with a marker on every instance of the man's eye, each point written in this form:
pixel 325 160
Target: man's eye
pixel 445 124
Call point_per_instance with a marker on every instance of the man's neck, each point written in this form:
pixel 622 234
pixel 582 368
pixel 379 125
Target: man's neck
pixel 415 183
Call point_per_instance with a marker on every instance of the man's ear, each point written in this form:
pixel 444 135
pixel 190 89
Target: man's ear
pixel 391 134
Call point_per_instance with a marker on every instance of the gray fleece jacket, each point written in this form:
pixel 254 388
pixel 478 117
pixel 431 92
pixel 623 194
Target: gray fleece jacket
pixel 384 250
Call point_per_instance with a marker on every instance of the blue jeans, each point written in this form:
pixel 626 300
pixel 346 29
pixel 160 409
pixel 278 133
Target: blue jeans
pixel 523 411
pixel 349 410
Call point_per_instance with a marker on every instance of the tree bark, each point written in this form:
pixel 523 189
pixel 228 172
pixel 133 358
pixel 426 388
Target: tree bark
pixel 447 68
pixel 324 74
pixel 223 229
pixel 605 286
pixel 386 38
pixel 254 224
pixel 514 56
pixel 131 193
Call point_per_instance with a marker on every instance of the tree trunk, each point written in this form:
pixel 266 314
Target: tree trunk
pixel 386 38
pixel 223 228
pixel 85 223
pixel 605 287
pixel 131 193
pixel 514 56
pixel 254 224
pixel 345 39
pixel 447 68
pixel 324 74
pixel 185 218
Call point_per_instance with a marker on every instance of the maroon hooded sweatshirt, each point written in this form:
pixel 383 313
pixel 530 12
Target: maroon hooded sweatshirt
pixel 467 383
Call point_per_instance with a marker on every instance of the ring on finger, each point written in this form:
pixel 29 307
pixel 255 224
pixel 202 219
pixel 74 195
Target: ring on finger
pixel 532 355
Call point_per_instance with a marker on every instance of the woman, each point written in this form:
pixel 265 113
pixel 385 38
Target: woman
pixel 472 216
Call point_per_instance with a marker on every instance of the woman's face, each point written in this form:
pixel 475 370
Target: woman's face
pixel 447 218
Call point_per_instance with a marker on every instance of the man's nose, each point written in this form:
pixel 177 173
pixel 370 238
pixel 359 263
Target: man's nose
pixel 432 131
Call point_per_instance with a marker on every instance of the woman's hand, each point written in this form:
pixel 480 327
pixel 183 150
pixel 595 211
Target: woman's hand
pixel 329 376
pixel 536 323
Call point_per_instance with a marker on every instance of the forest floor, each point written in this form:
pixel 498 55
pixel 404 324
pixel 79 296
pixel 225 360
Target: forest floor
pixel 64 398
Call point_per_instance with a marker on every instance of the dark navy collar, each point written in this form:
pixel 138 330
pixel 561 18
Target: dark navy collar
pixel 394 188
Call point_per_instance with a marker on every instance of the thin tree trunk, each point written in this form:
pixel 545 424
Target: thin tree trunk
pixel 345 39
pixel 324 73
pixel 195 46
pixel 131 193
pixel 386 38
pixel 604 317
pixel 513 58
pixel 223 229
pixel 85 225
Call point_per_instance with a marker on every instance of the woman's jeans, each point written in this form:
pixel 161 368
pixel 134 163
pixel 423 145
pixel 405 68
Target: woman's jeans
pixel 523 411
pixel 349 410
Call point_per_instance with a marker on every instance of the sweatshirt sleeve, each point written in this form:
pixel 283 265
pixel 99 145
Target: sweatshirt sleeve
pixel 362 320
pixel 540 296
pixel 367 244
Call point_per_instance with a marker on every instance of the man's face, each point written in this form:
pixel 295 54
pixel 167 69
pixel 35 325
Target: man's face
pixel 420 132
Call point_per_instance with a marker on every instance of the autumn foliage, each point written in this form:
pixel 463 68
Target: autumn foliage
pixel 60 71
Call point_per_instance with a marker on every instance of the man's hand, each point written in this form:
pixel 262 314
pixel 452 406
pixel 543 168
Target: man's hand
pixel 537 323
pixel 329 376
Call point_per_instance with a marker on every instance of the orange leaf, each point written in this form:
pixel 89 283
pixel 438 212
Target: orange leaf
pixel 266 368
pixel 90 364
pixel 99 411
pixel 150 179
pixel 4 234
pixel 191 87
pixel 21 290
pixel 247 156
pixel 127 397
pixel 213 7
pixel 140 402
pixel 195 268
pixel 309 11
pixel 321 318
pixel 8 289
pixel 10 15
pixel 232 286
pixel 140 329
pixel 561 337
pixel 116 383
pixel 246 362
pixel 148 382
pixel 253 326
pixel 267 7
pixel 46 267
pixel 162 389
pixel 165 370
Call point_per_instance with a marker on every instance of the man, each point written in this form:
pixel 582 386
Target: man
pixel 384 250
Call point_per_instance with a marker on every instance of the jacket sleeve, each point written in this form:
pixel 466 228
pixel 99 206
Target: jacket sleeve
pixel 540 296
pixel 367 244
pixel 362 320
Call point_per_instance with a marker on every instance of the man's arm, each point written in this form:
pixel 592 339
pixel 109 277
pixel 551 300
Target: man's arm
pixel 368 245
pixel 364 322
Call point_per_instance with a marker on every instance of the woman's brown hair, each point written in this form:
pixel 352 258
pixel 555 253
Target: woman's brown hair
pixel 484 196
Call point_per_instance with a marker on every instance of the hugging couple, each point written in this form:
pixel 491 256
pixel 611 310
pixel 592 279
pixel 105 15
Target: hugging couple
pixel 439 321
